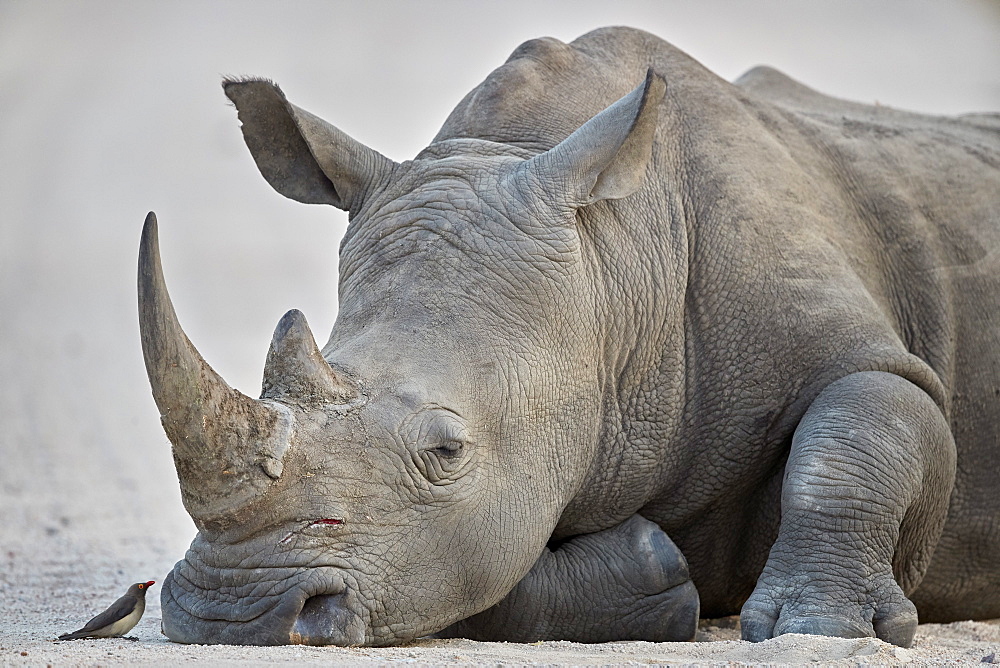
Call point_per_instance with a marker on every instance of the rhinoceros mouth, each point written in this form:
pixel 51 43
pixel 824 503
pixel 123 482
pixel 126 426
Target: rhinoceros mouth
pixel 314 606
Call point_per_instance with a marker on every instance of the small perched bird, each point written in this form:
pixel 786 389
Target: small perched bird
pixel 118 619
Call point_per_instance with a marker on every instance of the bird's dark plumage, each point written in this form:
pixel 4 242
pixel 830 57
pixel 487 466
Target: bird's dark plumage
pixel 120 618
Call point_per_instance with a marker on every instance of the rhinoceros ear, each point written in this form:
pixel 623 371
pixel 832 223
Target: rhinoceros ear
pixel 302 156
pixel 606 157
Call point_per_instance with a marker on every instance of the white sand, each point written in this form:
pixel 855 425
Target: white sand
pixel 60 566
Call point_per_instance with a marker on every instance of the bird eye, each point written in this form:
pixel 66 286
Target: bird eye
pixel 142 586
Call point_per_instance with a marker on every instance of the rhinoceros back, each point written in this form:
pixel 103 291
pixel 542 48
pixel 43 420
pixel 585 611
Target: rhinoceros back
pixel 547 89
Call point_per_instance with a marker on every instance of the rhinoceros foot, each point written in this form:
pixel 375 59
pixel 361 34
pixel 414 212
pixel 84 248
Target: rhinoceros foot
pixel 890 616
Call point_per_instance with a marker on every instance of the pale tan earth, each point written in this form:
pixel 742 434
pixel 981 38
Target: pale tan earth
pixel 60 569
pixel 110 109
pixel 62 564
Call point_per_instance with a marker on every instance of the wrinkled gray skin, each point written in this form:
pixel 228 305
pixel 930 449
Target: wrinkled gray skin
pixel 596 312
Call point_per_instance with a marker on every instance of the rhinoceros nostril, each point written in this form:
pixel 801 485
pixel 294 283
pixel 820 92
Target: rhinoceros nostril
pixel 327 619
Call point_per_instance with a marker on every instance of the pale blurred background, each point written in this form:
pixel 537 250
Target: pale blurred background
pixel 111 109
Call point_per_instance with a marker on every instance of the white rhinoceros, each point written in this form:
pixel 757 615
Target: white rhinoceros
pixel 619 311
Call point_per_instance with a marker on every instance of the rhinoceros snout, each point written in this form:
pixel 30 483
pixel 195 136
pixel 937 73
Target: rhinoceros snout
pixel 315 608
pixel 328 620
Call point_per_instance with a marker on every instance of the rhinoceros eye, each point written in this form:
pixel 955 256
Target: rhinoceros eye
pixel 445 463
pixel 446 452
pixel 450 449
pixel 441 444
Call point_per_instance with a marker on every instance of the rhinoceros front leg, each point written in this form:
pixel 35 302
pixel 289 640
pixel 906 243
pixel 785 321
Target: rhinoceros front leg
pixel 863 504
pixel 629 582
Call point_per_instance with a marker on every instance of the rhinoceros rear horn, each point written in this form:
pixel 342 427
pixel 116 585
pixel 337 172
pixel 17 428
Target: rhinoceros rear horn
pixel 227 447
pixel 302 156
pixel 295 368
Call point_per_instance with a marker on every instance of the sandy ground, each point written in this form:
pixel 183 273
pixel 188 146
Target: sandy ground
pixel 111 108
pixel 58 571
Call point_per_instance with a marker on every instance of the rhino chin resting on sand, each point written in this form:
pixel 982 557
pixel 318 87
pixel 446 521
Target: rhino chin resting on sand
pixel 625 343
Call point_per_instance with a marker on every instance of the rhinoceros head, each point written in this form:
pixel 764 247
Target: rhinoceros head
pixel 410 473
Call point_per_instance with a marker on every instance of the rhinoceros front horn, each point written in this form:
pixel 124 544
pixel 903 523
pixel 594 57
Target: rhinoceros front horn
pixel 227 447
